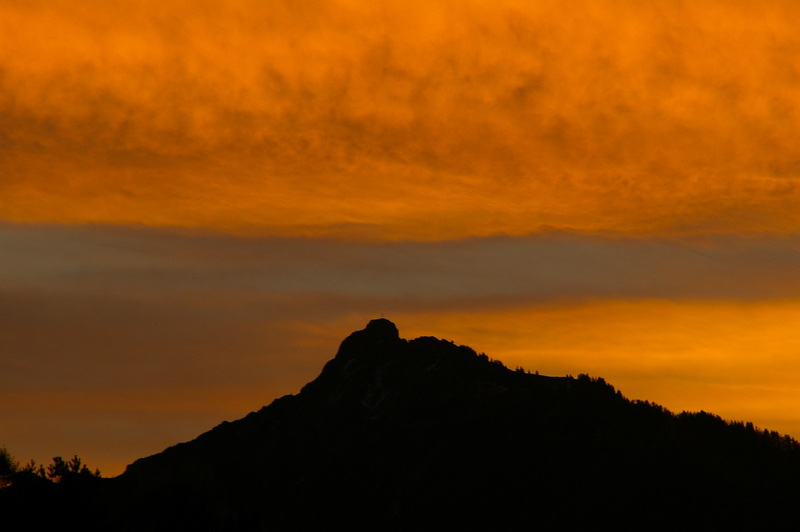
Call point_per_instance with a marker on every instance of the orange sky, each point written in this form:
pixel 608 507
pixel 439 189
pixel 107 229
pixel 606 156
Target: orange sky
pixel 199 200
pixel 402 120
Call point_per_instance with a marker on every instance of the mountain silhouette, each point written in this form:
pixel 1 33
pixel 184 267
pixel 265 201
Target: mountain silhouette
pixel 400 435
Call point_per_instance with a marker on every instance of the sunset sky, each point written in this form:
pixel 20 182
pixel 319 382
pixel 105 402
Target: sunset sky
pixel 199 200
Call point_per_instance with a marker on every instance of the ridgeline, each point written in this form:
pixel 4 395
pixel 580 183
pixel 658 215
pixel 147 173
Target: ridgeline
pixel 402 435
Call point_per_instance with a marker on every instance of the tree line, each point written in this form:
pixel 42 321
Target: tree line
pixel 58 471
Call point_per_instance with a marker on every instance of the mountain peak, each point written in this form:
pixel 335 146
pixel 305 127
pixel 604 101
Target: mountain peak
pixel 384 327
pixel 396 434
pixel 357 359
pixel 377 332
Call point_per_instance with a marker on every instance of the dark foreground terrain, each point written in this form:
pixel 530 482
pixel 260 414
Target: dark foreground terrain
pixel 401 435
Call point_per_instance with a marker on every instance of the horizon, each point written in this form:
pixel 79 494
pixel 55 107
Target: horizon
pixel 198 203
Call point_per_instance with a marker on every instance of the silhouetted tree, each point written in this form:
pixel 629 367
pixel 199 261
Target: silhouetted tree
pixel 30 467
pixel 60 470
pixel 8 466
pixel 57 470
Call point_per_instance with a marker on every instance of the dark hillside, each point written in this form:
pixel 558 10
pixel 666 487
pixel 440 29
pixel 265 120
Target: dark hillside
pixel 398 434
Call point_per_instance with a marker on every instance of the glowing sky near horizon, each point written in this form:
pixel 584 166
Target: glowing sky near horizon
pixel 199 200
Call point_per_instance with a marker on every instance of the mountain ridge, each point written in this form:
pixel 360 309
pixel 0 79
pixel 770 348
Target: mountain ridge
pixel 396 434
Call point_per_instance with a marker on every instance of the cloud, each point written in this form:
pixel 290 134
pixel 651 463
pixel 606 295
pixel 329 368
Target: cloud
pixel 146 265
pixel 421 120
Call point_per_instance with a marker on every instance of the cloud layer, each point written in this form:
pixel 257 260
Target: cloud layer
pixel 152 264
pixel 421 120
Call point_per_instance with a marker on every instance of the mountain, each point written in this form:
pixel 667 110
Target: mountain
pixel 399 435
